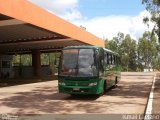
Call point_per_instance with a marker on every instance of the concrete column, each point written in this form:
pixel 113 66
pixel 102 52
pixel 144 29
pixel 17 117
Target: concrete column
pixel 36 62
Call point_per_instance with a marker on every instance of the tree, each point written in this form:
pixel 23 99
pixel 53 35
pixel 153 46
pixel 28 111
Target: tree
pixel 156 63
pixel 115 43
pixel 125 46
pixel 147 50
pixel 133 55
pixel 153 6
pixel 128 53
pixel 112 45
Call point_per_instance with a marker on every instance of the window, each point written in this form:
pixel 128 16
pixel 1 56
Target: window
pixel 113 59
pixel 79 63
pixel 6 64
pixel 16 60
pixel 23 59
pixel 45 59
pixel 105 58
pixel 26 60
pixel 110 58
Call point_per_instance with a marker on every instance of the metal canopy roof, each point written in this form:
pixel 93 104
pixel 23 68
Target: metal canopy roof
pixel 16 35
pixel 22 31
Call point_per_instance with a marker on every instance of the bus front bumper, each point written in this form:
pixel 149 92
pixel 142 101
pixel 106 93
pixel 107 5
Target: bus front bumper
pixel 79 89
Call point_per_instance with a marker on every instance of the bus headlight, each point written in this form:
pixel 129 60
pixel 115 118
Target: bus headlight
pixel 61 83
pixel 92 84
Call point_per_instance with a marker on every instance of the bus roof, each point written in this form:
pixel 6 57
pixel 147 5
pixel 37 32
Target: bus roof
pixel 109 51
pixel 83 47
pixel 90 47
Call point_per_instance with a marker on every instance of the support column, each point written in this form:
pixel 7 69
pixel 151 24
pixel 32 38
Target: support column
pixel 36 62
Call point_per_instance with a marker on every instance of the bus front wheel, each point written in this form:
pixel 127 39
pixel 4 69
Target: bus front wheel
pixel 104 89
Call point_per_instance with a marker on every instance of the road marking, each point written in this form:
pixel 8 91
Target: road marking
pixel 150 102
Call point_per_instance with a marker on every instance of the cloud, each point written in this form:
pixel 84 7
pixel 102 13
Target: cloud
pixel 66 9
pixel 109 26
pixel 103 27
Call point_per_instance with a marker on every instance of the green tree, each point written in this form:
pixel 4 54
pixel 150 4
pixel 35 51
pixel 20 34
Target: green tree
pixel 153 6
pixel 112 45
pixel 147 50
pixel 156 63
pixel 115 43
pixel 128 53
pixel 125 46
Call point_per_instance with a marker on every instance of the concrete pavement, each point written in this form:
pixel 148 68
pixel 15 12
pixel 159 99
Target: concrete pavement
pixel 156 96
pixel 130 97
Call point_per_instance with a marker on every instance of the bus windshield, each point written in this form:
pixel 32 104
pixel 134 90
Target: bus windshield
pixel 78 63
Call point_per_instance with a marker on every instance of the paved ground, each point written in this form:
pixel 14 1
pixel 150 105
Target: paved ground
pixel 156 96
pixel 130 97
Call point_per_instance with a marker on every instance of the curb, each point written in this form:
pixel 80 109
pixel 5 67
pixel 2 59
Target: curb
pixel 148 111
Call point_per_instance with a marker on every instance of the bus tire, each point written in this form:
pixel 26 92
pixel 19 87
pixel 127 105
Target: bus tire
pixel 104 87
pixel 116 81
pixel 74 95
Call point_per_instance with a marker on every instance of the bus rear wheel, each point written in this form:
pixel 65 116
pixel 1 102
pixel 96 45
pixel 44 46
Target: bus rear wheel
pixel 116 81
pixel 104 88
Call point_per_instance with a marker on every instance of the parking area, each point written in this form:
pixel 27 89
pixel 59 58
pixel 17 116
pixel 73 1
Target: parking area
pixel 129 97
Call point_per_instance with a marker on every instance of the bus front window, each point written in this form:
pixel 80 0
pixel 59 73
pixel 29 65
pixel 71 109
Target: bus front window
pixel 79 63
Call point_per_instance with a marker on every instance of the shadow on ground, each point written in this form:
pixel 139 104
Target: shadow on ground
pixel 134 86
pixel 43 100
pixel 21 81
pixel 131 90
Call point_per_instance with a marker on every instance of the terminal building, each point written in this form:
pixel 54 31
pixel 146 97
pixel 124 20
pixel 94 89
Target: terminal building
pixel 26 29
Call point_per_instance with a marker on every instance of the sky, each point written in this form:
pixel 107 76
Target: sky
pixel 103 18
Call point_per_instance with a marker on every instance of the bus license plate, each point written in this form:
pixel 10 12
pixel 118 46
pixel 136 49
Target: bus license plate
pixel 76 89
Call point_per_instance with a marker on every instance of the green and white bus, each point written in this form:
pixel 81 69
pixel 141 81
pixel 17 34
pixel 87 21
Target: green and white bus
pixel 87 70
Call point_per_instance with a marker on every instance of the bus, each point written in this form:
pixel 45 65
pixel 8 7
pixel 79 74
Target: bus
pixel 87 70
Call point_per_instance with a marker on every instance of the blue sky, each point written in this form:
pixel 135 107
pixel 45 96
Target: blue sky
pixel 92 8
pixel 103 18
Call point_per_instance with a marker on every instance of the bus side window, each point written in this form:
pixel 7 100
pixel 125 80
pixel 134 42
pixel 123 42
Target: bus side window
pixel 105 59
pixel 101 63
pixel 108 58
pixel 113 58
pixel 119 60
